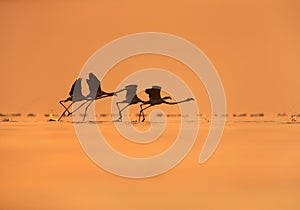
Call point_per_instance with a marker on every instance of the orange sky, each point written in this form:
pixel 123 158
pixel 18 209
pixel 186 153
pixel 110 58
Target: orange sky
pixel 254 46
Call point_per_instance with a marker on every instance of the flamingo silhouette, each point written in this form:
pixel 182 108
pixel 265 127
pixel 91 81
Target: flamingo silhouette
pixel 156 99
pixel 131 98
pixel 75 96
pixel 95 92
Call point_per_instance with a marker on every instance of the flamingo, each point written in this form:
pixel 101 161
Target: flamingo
pixel 156 99
pixel 131 98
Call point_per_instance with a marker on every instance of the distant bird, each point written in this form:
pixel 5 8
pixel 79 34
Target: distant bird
pixel 156 99
pixel 242 115
pixel 257 115
pixel 293 117
pixel 281 115
pixel 131 98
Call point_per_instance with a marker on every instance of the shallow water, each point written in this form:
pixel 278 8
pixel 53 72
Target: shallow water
pixel 256 166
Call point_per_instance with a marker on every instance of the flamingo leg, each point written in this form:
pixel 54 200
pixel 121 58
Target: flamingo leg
pixel 86 108
pixel 142 111
pixel 91 101
pixel 78 108
pixel 86 102
pixel 120 116
pixel 120 110
pixel 66 110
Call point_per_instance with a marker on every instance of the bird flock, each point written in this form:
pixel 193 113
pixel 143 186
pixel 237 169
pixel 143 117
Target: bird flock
pixel 95 93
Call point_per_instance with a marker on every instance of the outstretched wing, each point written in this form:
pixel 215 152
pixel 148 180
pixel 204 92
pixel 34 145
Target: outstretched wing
pixel 94 85
pixel 130 92
pixel 154 93
pixel 76 92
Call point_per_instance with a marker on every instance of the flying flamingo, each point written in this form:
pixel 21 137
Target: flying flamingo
pixel 95 92
pixel 75 95
pixel 156 99
pixel 131 98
